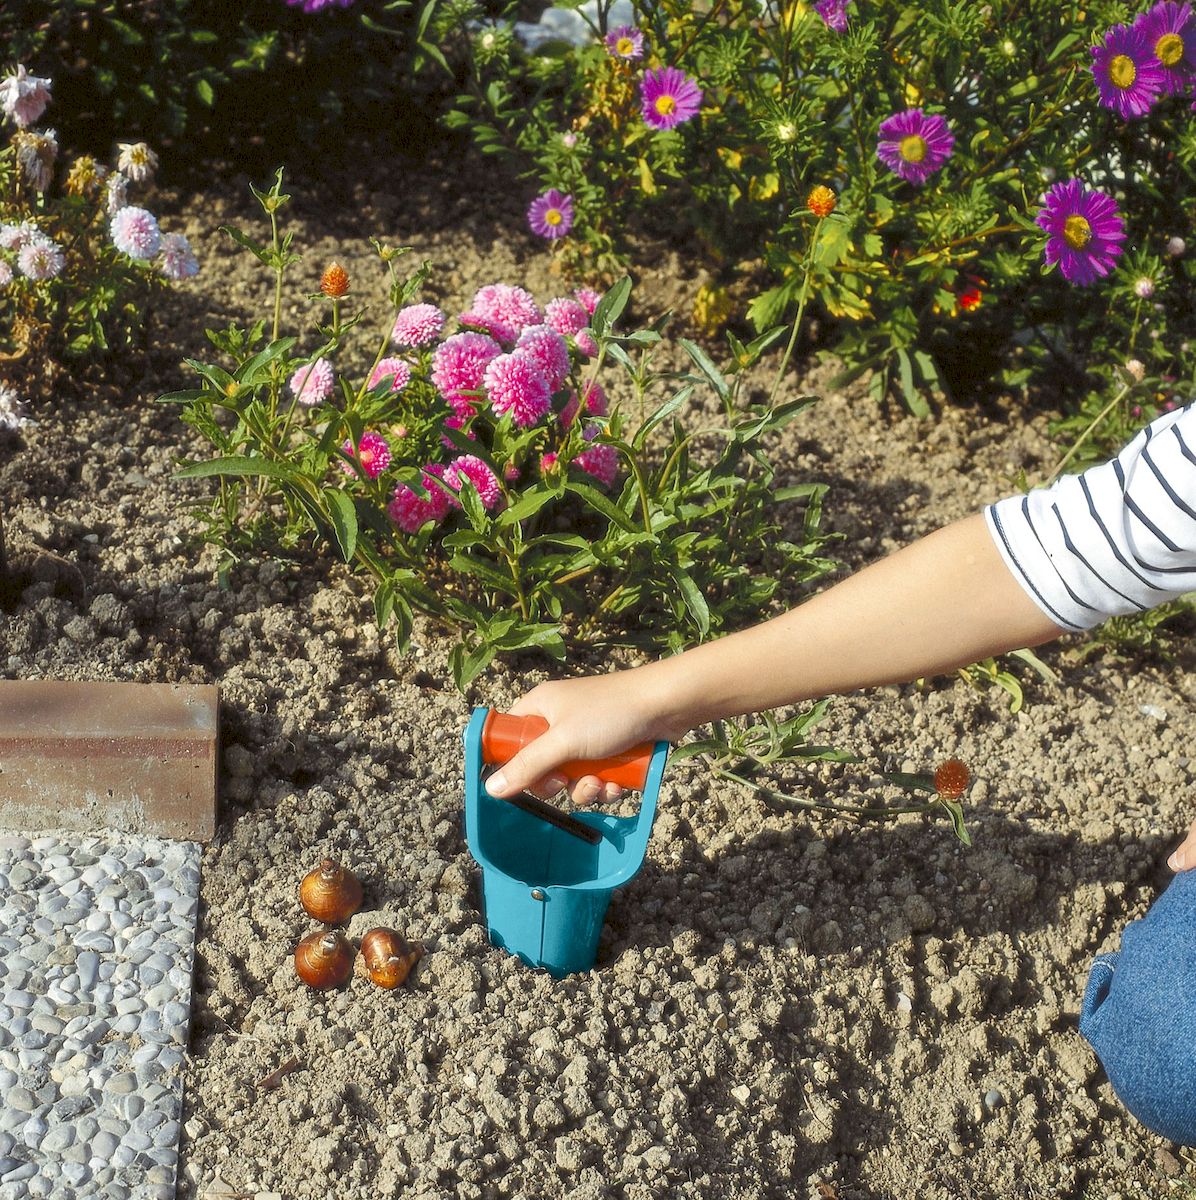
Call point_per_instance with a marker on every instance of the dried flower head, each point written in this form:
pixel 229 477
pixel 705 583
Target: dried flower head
pixel 12 411
pixel 23 97
pixel 85 176
pixel 118 193
pixel 334 283
pixel 137 161
pixel 36 155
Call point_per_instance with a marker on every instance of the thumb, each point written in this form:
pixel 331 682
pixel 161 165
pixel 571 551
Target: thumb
pixel 531 766
pixel 1184 858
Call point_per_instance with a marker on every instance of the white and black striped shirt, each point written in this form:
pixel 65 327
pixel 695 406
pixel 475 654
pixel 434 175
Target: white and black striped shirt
pixel 1120 538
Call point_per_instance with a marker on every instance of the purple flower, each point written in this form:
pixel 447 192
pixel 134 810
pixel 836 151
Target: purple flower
pixel 1126 72
pixel 626 42
pixel 914 145
pixel 551 215
pixel 314 6
pixel 1084 231
pixel 668 97
pixel 1170 33
pixel 834 13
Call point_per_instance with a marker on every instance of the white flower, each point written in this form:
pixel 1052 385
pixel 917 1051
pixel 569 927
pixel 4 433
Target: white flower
pixel 23 97
pixel 1136 369
pixel 1144 287
pixel 1176 246
pixel 40 259
pixel 137 161
pixel 178 259
pixel 118 193
pixel 5 274
pixel 13 237
pixel 12 411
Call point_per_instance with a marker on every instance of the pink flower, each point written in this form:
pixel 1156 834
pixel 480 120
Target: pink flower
pixel 458 421
pixel 516 385
pixel 548 350
pixel 510 472
pixel 417 325
pixel 5 274
pixel 488 325
pixel 135 232
pixel 40 259
pixel 459 365
pixel 178 259
pixel 667 97
pixel 394 369
pixel 373 455
pixel 548 463
pixel 596 406
pixel 484 480
pixel 13 237
pixel 312 384
pixel 411 511
pixel 585 343
pixel 566 316
pixel 23 97
pixel 588 299
pixel 510 306
pixel 599 460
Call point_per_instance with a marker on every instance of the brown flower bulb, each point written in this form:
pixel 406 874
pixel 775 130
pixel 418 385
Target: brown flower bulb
pixel 335 281
pixel 324 959
pixel 388 958
pixel 331 893
pixel 951 779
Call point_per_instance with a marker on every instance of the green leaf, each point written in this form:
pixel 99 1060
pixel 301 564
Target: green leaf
pixel 344 521
pixel 468 565
pixel 694 600
pixel 468 664
pixel 666 410
pixel 955 811
pixel 188 396
pixel 706 366
pixel 597 501
pixel 527 506
pixel 384 603
pixel 610 307
pixel 203 89
pixel 263 358
pixel 235 465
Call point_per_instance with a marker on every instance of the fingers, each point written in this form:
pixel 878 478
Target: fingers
pixel 532 769
pixel 591 790
pixel 1183 858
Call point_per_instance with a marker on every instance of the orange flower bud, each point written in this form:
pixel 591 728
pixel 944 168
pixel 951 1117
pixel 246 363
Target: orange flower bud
pixel 335 281
pixel 951 779
pixel 821 201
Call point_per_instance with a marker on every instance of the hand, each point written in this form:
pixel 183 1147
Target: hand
pixel 1184 857
pixel 587 718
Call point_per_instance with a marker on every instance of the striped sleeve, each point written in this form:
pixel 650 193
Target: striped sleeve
pixel 1120 538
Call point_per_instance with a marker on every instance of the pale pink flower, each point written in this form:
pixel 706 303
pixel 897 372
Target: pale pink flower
pixel 417 325
pixel 178 259
pixel 40 259
pixel 5 274
pixel 13 237
pixel 23 97
pixel 135 232
pixel 394 369
pixel 117 193
pixel 312 384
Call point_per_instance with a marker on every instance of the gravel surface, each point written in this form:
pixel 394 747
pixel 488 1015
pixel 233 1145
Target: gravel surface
pixel 95 997
pixel 781 1007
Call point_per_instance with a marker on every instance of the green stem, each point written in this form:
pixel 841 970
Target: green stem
pixel 801 308
pixel 853 810
pixel 1100 416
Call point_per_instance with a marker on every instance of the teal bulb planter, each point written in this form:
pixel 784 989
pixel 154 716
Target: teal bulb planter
pixel 545 891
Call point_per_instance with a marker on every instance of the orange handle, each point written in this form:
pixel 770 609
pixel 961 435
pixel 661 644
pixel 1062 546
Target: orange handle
pixel 504 735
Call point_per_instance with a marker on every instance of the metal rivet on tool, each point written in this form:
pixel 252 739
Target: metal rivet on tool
pixel 537 894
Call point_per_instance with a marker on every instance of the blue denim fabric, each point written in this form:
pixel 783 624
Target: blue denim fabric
pixel 1139 1013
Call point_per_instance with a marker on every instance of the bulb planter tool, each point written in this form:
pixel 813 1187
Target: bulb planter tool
pixel 546 885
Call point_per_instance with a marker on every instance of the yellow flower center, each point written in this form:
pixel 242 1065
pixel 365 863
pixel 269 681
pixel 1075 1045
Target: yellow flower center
pixel 1169 49
pixel 786 131
pixel 624 46
pixel 1077 233
pixel 912 148
pixel 1122 71
pixel 665 104
pixel 553 217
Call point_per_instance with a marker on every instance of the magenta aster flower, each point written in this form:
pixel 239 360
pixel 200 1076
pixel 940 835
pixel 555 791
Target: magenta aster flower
pixel 548 463
pixel 588 299
pixel 411 511
pixel 548 350
pixel 1084 231
pixel 135 232
pixel 668 97
pixel 598 459
pixel 470 467
pixel 1127 73
pixel 625 42
pixel 914 145
pixel 312 383
pixel 566 316
pixel 373 455
pixel 315 6
pixel 178 259
pixel 834 13
pixel 459 365
pixel 40 259
pixel 510 306
pixel 1170 33
pixel 394 369
pixel 516 385
pixel 551 215
pixel 417 325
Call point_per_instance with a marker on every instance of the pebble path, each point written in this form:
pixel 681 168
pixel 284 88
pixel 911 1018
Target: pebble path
pixel 96 943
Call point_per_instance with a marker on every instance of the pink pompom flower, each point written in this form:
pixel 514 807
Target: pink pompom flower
pixel 411 511
pixel 586 344
pixel 312 384
pixel 588 299
pixel 599 460
pixel 394 369
pixel 459 365
pixel 373 455
pixel 417 325
pixel 549 463
pixel 178 259
pixel 548 350
pixel 516 385
pixel 508 305
pixel 40 259
pixel 597 405
pixel 484 480
pixel 461 423
pixel 566 316
pixel 135 232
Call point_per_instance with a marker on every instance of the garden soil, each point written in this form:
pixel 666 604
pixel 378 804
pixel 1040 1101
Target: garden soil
pixel 782 1006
